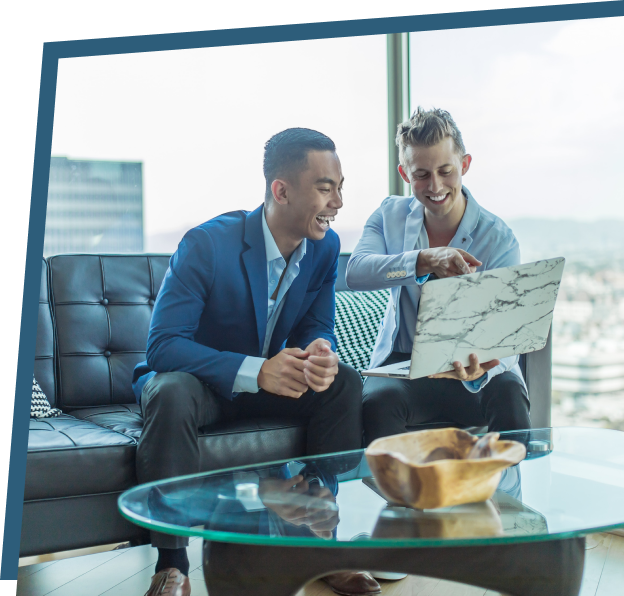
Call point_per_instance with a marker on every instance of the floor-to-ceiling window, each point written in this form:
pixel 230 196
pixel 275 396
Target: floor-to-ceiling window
pixel 148 145
pixel 191 126
pixel 541 110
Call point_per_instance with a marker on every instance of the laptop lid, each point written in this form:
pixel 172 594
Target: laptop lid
pixel 492 314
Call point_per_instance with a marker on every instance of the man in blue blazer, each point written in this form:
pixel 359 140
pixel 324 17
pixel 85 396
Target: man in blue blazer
pixel 243 327
pixel 407 240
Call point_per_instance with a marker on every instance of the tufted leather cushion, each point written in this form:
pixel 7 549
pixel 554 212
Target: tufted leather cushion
pixel 44 348
pixel 248 442
pixel 102 305
pixel 222 445
pixel 67 457
pixel 125 418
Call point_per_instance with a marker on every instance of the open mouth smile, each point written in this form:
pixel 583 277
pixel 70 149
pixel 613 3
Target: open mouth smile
pixel 324 221
pixel 438 199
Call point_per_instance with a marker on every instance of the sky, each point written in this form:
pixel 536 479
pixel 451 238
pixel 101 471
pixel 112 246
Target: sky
pixel 198 120
pixel 540 110
pixel 539 107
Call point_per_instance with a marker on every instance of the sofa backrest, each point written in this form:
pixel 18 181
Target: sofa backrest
pixel 102 306
pixel 44 349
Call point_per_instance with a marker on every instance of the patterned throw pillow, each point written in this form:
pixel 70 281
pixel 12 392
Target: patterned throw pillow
pixel 39 405
pixel 358 315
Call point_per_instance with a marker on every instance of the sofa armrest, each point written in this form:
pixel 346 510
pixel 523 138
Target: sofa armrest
pixel 538 376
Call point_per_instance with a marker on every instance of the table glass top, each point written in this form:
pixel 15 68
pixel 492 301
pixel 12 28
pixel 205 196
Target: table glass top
pixel 570 484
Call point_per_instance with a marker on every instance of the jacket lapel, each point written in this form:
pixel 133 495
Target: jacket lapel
pixel 255 262
pixel 463 236
pixel 413 225
pixel 293 299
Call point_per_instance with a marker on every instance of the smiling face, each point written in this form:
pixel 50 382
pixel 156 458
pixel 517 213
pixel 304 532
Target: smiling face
pixel 311 199
pixel 435 175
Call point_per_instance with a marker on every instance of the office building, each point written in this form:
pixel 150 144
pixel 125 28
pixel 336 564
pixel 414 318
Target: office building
pixel 591 373
pixel 94 206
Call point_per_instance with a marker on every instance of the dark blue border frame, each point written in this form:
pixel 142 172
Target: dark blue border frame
pixel 53 52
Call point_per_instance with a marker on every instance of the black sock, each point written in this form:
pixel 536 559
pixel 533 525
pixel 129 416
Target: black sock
pixel 173 557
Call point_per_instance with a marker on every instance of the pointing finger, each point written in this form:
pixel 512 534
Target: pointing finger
pixel 469 258
pixel 460 264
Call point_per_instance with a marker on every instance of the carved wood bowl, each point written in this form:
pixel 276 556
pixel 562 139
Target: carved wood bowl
pixel 428 469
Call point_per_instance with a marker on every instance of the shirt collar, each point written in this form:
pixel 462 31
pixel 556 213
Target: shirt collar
pixel 471 215
pixel 469 220
pixel 272 251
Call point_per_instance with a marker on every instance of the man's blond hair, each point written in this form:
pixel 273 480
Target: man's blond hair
pixel 427 128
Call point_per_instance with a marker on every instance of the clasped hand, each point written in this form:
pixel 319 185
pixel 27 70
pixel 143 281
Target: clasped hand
pixel 301 505
pixel 293 371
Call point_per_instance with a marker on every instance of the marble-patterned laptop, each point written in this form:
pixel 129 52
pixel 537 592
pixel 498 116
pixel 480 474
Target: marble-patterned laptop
pixel 492 314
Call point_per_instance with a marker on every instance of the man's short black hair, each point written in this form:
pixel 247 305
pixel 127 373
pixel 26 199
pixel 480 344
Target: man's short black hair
pixel 286 153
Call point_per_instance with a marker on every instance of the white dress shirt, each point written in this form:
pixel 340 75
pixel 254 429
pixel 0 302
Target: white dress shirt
pixel 247 377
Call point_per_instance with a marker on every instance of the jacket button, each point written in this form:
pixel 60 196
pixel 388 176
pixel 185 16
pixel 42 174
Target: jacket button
pixel 105 301
pixel 388 275
pixel 403 273
pixel 107 354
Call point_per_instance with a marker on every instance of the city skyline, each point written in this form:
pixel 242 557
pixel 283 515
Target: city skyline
pixel 542 144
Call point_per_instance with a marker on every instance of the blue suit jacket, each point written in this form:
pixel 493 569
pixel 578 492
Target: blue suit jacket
pixel 211 310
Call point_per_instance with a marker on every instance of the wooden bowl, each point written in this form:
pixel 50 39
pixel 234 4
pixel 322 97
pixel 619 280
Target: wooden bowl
pixel 428 469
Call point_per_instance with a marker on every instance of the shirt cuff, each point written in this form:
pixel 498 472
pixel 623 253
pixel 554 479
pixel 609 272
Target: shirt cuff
pixel 246 380
pixel 412 260
pixel 476 385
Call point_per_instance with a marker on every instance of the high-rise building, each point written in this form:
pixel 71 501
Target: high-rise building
pixel 592 373
pixel 94 206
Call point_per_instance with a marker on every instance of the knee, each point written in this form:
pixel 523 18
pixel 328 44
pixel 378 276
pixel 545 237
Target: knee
pixel 377 401
pixel 170 394
pixel 345 393
pixel 507 402
pixel 349 378
pixel 506 388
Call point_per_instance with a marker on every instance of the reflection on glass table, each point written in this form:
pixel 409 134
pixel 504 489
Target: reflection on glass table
pixel 319 511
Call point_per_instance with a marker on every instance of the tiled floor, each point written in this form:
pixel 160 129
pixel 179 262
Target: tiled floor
pixel 127 572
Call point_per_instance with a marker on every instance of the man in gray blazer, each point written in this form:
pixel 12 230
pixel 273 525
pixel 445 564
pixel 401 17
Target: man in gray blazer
pixel 440 230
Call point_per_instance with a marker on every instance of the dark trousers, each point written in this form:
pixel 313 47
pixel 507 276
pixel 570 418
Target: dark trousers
pixel 176 404
pixel 392 405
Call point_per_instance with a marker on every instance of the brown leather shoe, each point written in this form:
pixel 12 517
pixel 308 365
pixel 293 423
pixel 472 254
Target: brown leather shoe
pixel 169 582
pixel 352 583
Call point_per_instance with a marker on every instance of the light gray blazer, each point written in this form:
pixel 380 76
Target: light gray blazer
pixel 386 254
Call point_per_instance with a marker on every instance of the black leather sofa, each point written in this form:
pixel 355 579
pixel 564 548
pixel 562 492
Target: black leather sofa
pixel 94 313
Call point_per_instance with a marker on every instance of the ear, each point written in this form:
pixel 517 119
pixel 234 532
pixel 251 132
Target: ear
pixel 466 161
pixel 279 188
pixel 403 174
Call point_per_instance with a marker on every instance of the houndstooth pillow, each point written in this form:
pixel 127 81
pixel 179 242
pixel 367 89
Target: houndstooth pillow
pixel 358 315
pixel 39 405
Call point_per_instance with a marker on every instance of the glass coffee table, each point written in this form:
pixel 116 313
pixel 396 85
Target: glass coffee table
pixel 269 529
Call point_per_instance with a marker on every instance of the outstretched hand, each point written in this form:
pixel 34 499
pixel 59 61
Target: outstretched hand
pixel 445 262
pixel 474 371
